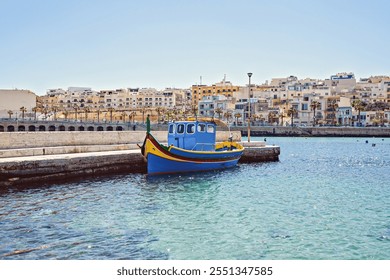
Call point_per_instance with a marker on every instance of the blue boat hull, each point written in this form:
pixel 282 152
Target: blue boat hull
pixel 158 165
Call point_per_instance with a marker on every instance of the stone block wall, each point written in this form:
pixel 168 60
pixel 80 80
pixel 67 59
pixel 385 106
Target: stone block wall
pixel 20 140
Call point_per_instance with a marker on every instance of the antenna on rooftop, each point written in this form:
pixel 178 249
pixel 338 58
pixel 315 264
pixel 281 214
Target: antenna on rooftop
pixel 200 80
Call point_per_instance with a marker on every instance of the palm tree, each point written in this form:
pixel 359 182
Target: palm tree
pixel 333 104
pixel 45 111
pixel 194 109
pixel 358 105
pixel 54 110
pixel 124 115
pixel 262 119
pixel 76 108
pixel 23 110
pixel 291 113
pixel 98 115
pixel 143 111
pixel 315 105
pixel 228 116
pixel 132 115
pixel 237 116
pixel 35 109
pixel 66 113
pixel 86 111
pixel 219 111
pixel 10 113
pixel 159 110
pixel 111 110
pixel 282 115
pixel 169 113
pixel 186 112
pixel 255 117
pixel 271 117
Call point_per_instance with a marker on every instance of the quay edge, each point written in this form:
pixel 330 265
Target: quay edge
pixel 296 131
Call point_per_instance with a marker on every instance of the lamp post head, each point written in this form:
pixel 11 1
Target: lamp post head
pixel 249 75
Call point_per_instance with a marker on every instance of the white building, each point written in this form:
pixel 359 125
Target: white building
pixel 12 100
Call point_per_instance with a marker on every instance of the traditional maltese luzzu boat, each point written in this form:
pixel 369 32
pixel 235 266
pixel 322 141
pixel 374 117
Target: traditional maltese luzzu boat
pixel 191 147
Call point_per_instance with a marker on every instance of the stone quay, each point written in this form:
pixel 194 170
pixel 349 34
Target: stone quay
pixel 36 157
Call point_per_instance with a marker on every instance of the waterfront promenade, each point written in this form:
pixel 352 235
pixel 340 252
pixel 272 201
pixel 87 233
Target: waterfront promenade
pixel 12 125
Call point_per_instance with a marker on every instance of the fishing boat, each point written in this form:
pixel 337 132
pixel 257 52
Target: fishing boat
pixel 191 147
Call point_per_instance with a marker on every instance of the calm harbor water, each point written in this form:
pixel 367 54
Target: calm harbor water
pixel 327 198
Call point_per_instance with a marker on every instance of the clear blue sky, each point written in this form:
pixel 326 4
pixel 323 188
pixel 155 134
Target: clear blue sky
pixel 121 43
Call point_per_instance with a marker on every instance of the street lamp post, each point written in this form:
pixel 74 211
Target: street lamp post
pixel 249 108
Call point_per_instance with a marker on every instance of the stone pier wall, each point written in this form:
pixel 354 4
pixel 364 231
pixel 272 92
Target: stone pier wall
pixel 19 140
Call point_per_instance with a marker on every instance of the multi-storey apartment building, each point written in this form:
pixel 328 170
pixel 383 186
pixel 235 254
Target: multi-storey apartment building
pixel 67 100
pixel 216 106
pixel 225 88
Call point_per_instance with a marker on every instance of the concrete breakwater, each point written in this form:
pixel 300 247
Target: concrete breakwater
pixel 316 131
pixel 27 157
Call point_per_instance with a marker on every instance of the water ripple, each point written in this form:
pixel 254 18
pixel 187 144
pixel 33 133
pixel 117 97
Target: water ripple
pixel 327 198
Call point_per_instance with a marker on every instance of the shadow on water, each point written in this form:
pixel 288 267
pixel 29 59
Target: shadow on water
pixel 187 181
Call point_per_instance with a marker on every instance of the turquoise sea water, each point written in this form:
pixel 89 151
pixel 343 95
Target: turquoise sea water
pixel 327 198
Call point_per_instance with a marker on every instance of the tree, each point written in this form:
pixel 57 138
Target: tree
pixel 237 116
pixel 169 113
pixel 86 111
pixel 271 117
pixel 194 109
pixel 228 116
pixel 45 112
pixel 143 111
pixel 98 114
pixel 66 113
pixel 314 105
pixel 219 111
pixel 35 109
pixel 10 113
pixel 132 115
pixel 54 110
pixel 111 110
pixel 23 110
pixel 333 104
pixel 159 110
pixel 282 115
pixel 124 115
pixel 358 105
pixel 76 108
pixel 292 113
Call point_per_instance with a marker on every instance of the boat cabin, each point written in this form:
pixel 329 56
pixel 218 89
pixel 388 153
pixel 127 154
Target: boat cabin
pixel 192 135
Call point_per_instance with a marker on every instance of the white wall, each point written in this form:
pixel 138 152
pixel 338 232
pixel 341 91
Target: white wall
pixel 15 99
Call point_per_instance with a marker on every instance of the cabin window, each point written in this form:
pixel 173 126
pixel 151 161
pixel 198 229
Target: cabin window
pixel 201 127
pixel 180 128
pixel 171 129
pixel 190 128
pixel 210 128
